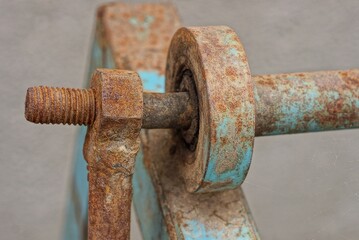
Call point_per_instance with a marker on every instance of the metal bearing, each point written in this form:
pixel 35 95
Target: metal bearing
pixel 217 63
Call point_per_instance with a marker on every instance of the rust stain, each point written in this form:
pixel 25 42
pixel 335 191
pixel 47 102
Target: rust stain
pixel 304 102
pixel 60 105
pixel 125 27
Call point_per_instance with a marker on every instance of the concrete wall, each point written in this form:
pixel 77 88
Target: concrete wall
pixel 299 187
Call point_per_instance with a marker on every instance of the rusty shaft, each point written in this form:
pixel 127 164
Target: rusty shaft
pixel 285 103
pixel 167 110
pixel 306 102
pixel 78 107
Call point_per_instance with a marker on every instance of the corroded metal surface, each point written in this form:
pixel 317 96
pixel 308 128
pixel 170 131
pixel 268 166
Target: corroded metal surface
pixel 111 145
pixel 214 149
pixel 217 61
pixel 77 106
pixel 137 35
pixel 306 102
pixel 167 110
pixel 60 105
pixel 109 172
pixel 218 215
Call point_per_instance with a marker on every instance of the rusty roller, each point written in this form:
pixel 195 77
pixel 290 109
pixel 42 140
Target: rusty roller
pixel 234 106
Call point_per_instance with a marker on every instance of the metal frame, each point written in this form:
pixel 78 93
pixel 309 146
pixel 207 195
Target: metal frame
pixel 136 37
pixel 208 66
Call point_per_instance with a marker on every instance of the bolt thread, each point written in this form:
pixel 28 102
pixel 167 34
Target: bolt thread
pixel 60 105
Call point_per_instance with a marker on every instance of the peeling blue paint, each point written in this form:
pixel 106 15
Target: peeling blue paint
pixel 145 26
pixel 234 52
pixel 195 230
pixel 235 175
pixel 152 81
pixel 109 62
pixel 230 39
pixel 133 21
pixel 293 112
pixel 231 120
pixel 76 211
pixel 96 60
pixel 146 203
pixel 356 102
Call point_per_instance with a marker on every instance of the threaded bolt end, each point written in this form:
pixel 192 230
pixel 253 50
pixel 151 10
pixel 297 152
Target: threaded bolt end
pixel 60 105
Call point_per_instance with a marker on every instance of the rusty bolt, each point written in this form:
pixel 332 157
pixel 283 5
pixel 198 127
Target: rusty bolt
pixel 60 105
pixel 78 107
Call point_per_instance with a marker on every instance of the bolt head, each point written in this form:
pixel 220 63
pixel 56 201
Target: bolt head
pixel 118 120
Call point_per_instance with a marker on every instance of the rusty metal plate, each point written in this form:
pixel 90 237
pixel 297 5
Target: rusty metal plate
pixel 215 58
pixel 137 36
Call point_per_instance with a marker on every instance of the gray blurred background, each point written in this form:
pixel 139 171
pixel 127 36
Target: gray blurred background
pixel 303 186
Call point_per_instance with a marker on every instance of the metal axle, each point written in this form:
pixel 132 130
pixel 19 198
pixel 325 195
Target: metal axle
pixel 285 103
pixel 78 107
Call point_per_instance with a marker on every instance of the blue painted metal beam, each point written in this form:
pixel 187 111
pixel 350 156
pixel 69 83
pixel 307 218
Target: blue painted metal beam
pixel 306 102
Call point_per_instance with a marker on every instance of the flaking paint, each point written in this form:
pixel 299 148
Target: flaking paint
pixel 146 204
pixel 76 214
pixel 196 230
pixel 152 81
pixel 302 102
pixel 243 152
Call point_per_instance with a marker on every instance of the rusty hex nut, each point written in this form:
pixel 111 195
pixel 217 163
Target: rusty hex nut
pixel 119 110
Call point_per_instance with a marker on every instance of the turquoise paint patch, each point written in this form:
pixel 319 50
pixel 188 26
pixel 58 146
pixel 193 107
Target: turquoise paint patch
pixel 236 175
pixel 332 95
pixel 81 173
pixel 109 63
pixel 293 112
pixel 244 233
pixel 230 39
pixel 95 62
pixel 152 81
pixel 222 129
pixel 133 21
pixel 313 125
pixel 243 166
pixel 356 102
pixel 72 228
pixel 77 203
pixel 146 203
pixel 144 26
pixel 196 230
pixel 234 52
pixel 148 21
